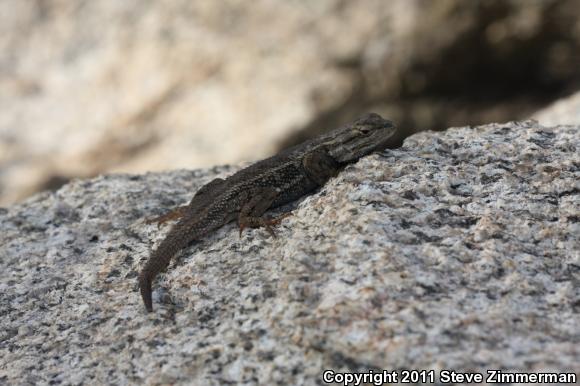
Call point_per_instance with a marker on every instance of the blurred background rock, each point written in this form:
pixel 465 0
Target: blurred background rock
pixel 89 87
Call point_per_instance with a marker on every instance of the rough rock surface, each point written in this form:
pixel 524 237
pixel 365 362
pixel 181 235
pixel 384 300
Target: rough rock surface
pixel 459 250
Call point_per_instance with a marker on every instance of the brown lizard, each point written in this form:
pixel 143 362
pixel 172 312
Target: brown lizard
pixel 248 194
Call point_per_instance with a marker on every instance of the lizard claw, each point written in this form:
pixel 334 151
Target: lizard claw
pixel 242 227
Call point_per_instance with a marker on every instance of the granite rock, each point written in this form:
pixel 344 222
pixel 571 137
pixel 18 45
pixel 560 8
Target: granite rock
pixel 460 250
pixel 565 111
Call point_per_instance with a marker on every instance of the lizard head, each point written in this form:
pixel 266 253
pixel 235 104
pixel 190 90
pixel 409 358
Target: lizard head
pixel 367 134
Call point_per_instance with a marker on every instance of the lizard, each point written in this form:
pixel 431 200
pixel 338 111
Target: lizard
pixel 247 194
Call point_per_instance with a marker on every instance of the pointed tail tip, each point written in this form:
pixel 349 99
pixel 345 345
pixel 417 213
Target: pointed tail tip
pixel 145 288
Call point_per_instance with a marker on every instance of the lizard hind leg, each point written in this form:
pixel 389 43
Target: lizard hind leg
pixel 199 200
pixel 174 214
pixel 251 212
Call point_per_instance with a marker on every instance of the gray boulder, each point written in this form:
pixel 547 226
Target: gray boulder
pixel 459 251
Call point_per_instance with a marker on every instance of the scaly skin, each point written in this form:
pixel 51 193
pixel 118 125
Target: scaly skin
pixel 269 183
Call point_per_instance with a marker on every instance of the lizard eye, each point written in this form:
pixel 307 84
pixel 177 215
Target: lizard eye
pixel 364 130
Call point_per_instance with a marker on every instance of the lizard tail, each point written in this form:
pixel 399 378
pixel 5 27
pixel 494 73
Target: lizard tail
pixel 145 288
pixel 159 260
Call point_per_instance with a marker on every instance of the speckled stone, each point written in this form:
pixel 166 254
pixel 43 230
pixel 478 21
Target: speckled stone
pixel 459 251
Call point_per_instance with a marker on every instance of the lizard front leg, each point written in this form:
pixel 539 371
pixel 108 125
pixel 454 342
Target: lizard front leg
pixel 258 203
pixel 320 166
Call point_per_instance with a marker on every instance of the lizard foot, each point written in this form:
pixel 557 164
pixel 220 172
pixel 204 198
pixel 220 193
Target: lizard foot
pixel 175 214
pixel 257 222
